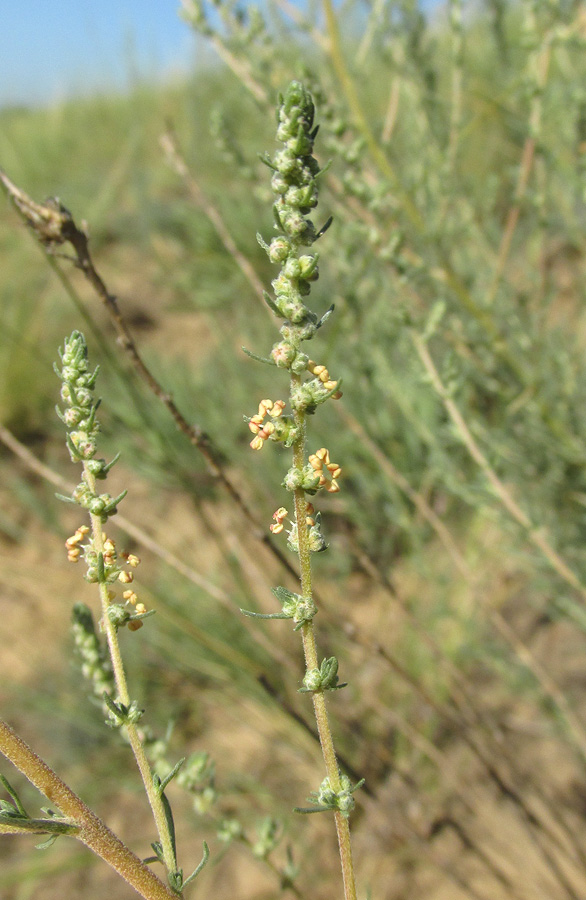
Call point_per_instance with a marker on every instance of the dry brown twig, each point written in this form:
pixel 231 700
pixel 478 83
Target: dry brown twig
pixel 53 225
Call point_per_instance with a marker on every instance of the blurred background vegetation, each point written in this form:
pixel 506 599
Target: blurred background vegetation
pixel 453 591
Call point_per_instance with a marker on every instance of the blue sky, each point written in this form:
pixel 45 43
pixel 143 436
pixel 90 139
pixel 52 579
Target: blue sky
pixel 51 49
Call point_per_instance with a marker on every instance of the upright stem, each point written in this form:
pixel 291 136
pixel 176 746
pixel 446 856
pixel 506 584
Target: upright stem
pixel 154 796
pixel 310 653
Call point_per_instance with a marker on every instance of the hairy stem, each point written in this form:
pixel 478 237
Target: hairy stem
pixel 311 658
pixel 92 831
pixel 154 796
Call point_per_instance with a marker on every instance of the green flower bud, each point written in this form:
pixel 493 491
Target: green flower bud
pixel 83 397
pixel 286 432
pixel 204 800
pixel 312 680
pixel 72 417
pixel 301 478
pixel 118 615
pixel 279 184
pixel 309 395
pixel 299 364
pixel 309 269
pixel 286 163
pixel 279 250
pixel 292 268
pixel 283 355
pixel 341 800
pixel 96 466
pixel 317 542
pixel 301 145
pixel 323 679
pixel 229 830
pixel 268 838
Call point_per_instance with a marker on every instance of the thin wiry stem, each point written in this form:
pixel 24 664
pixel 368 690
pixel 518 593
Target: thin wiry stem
pixel 168 144
pixel 56 226
pixel 154 796
pixel 355 106
pixel 392 110
pixel 239 66
pixel 534 533
pixel 525 168
pixel 372 26
pixel 457 37
pixel 297 16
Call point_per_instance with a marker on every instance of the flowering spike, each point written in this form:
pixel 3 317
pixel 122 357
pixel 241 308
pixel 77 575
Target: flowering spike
pixel 294 184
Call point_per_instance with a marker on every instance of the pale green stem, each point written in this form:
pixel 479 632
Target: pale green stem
pixel 311 658
pixel 349 88
pixel 39 826
pixel 92 831
pixel 525 168
pixel 153 794
pixel 457 75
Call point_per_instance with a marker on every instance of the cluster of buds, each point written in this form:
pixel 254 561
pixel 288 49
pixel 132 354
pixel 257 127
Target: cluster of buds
pixel 294 606
pixel 95 663
pixel 308 395
pixel 123 615
pixel 327 798
pixel 105 567
pixel 269 834
pixel 285 356
pixel 323 375
pixel 321 464
pixel 263 430
pixel 198 777
pixel 324 678
pixel 102 505
pixel 77 394
pixel 79 417
pixel 294 183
